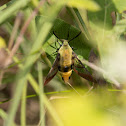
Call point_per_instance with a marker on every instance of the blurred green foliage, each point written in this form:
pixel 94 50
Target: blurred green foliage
pixel 99 106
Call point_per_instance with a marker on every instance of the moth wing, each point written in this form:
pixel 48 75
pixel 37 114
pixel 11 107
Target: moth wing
pixel 79 64
pixel 53 71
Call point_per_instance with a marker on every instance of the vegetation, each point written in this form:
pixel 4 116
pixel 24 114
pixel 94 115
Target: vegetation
pixel 28 49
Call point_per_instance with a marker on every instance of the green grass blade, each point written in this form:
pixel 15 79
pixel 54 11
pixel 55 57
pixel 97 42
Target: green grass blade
pixel 23 74
pixel 3 7
pixel 32 26
pixel 5 14
pixel 46 101
pixel 82 23
pixel 23 106
pixel 41 92
pixel 35 95
pixel 3 115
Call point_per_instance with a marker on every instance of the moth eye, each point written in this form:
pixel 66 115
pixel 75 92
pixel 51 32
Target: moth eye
pixel 62 78
pixel 69 77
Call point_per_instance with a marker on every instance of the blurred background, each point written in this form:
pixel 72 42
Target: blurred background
pixel 28 49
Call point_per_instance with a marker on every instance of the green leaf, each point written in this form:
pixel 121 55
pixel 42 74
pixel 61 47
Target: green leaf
pixel 84 4
pixel 80 45
pixel 120 5
pixel 21 78
pixel 102 17
pixel 8 12
pixel 120 27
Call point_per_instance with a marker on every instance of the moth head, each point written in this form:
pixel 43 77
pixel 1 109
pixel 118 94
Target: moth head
pixel 65 43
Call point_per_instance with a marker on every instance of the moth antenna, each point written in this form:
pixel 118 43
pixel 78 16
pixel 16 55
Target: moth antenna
pixel 52 46
pixel 75 37
pixel 57 38
pixel 56 35
pixel 68 33
pixel 59 43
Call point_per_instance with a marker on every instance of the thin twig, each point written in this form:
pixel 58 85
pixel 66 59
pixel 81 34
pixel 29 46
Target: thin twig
pixel 89 90
pixel 74 89
pixel 19 39
pixel 102 71
pixel 15 29
pixel 40 121
pixel 57 97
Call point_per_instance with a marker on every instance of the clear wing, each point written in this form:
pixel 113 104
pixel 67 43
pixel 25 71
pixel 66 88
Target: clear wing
pixel 79 64
pixel 53 71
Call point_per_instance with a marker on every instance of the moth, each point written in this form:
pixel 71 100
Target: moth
pixel 65 63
